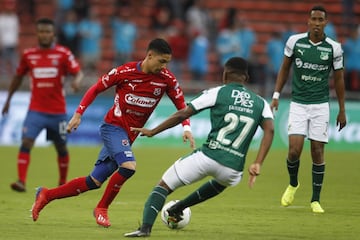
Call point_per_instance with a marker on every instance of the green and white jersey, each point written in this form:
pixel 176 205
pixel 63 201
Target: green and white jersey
pixel 235 114
pixel 312 64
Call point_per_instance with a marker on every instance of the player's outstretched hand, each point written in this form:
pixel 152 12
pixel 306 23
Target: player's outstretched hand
pixel 5 109
pixel 74 122
pixel 254 171
pixel 341 120
pixel 274 105
pixel 143 131
pixel 187 136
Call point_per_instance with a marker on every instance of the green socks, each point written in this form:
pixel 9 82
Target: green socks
pixel 208 190
pixel 318 172
pixel 293 169
pixel 154 204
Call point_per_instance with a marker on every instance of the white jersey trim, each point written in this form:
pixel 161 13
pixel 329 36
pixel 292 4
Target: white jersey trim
pixel 206 99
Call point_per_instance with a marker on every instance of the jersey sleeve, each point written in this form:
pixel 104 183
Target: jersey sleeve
pixel 267 113
pixel 205 100
pixel 23 68
pixel 106 81
pixel 176 95
pixel 338 62
pixel 289 46
pixel 72 65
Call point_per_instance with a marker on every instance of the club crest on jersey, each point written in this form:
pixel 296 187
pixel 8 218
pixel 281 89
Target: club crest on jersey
pixel 324 55
pixel 157 91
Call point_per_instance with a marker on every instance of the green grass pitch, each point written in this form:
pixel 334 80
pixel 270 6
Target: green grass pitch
pixel 238 213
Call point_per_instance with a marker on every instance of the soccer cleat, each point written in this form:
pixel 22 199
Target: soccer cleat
pixel 40 202
pixel 18 186
pixel 138 233
pixel 101 217
pixel 174 216
pixel 288 196
pixel 316 208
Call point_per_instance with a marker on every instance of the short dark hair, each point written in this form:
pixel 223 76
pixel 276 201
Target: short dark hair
pixel 237 65
pixel 159 45
pixel 319 8
pixel 45 21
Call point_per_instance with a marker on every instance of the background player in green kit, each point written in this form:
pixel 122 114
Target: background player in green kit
pixel 314 56
pixel 235 114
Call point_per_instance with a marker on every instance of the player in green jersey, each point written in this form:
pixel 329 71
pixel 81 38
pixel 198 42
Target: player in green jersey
pixel 235 114
pixel 313 56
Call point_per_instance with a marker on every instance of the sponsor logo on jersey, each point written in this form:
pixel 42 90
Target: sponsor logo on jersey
pixel 52 56
pixel 303 45
pixel 158 84
pixel 128 154
pixel 310 78
pixel 55 62
pixel 243 98
pixel 324 49
pixel 312 66
pixel 34 56
pixel 132 86
pixel 137 80
pixel 301 51
pixel 216 145
pixel 140 101
pixel 125 70
pixel 45 72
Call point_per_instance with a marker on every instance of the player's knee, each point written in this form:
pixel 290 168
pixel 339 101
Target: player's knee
pixel 26 145
pixel 217 186
pixel 92 183
pixel 61 149
pixel 293 155
pixel 126 172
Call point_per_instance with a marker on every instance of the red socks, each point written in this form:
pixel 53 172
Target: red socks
pixel 23 165
pixel 69 189
pixel 63 163
pixel 112 189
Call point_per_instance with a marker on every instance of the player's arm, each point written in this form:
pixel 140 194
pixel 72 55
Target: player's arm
pixel 76 83
pixel 177 97
pixel 170 122
pixel 254 170
pixel 14 86
pixel 101 85
pixel 280 81
pixel 340 93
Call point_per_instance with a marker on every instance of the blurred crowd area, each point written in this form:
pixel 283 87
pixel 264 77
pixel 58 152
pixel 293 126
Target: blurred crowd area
pixel 202 33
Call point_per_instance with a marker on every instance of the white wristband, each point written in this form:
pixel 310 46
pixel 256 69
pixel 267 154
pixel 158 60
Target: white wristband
pixel 276 95
pixel 187 128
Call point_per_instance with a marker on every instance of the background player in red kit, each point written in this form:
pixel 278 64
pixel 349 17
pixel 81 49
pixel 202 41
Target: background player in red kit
pixel 139 87
pixel 47 65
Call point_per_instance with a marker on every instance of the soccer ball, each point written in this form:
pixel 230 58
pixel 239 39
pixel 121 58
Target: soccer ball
pixel 181 224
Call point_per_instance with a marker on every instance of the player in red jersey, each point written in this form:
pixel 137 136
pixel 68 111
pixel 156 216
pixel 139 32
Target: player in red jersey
pixel 139 87
pixel 47 65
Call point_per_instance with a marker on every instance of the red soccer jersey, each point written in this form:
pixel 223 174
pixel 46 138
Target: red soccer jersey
pixel 136 95
pixel 47 68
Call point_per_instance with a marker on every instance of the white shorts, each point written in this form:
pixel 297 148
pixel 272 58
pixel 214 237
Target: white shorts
pixel 311 120
pixel 197 166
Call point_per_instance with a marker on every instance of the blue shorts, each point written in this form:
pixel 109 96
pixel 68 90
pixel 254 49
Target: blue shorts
pixel 116 150
pixel 55 125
